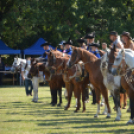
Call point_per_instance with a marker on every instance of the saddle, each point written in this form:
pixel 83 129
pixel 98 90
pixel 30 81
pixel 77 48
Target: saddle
pixel 79 74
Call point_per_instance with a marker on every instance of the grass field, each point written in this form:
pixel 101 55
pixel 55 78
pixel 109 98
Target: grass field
pixel 18 115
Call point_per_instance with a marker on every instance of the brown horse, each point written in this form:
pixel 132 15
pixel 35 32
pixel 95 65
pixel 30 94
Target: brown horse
pixel 92 65
pixel 124 84
pixel 56 82
pixel 72 78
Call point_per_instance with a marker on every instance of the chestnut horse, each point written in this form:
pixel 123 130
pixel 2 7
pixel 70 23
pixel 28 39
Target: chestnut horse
pixel 124 84
pixel 56 82
pixel 72 78
pixel 92 65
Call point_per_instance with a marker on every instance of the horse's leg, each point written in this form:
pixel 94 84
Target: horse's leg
pixel 121 100
pixel 69 89
pixel 78 97
pixel 102 101
pixel 131 121
pixel 97 91
pixel 117 104
pixel 104 92
pixel 60 97
pixel 125 100
pixel 83 100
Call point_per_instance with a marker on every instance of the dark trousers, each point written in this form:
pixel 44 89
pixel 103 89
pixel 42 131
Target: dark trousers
pixel 28 86
pixel 1 76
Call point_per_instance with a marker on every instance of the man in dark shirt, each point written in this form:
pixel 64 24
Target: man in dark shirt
pixel 2 68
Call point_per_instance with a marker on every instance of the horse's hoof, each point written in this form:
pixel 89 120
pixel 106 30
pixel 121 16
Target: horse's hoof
pixel 130 122
pixel 58 105
pixel 34 101
pixel 96 116
pixel 75 111
pixel 128 110
pixel 54 104
pixel 117 119
pixel 83 111
pixel 108 116
pixel 124 108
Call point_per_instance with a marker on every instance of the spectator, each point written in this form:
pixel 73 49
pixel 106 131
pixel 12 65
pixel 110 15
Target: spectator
pixel 27 81
pixel 2 68
pixel 104 47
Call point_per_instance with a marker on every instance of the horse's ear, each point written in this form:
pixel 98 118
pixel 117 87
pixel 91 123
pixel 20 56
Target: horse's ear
pixel 73 47
pixel 56 49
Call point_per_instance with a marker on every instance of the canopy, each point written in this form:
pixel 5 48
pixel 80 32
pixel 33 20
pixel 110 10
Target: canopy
pixel 4 49
pixel 36 48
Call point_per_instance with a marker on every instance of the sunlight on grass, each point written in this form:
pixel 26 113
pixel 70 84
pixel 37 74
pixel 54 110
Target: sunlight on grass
pixel 18 115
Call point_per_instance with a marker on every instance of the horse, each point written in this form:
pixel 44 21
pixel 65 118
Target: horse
pixel 113 84
pixel 92 65
pixel 55 81
pixel 123 66
pixel 71 77
pixel 22 63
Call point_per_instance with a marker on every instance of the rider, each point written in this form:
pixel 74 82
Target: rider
pixel 81 43
pixel 90 39
pixel 46 47
pixel 24 74
pixel 127 40
pixel 115 40
pixel 94 49
pixel 62 46
pixel 67 46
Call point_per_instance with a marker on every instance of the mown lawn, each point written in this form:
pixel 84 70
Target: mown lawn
pixel 18 115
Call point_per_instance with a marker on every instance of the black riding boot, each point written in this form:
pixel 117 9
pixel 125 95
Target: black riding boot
pixel 54 97
pixel 94 97
pixel 60 97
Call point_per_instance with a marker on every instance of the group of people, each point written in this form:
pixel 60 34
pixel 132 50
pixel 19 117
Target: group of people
pixel 88 43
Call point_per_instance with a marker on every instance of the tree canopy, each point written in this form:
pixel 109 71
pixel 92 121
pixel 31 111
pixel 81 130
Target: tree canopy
pixel 22 22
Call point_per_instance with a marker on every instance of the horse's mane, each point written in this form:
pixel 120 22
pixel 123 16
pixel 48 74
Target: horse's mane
pixel 61 53
pixel 88 53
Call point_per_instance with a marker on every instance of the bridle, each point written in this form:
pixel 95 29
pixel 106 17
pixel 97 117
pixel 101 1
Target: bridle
pixel 122 67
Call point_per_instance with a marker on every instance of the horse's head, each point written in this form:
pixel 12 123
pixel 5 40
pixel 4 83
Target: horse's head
pixel 16 64
pixel 104 62
pixel 119 63
pixel 75 57
pixel 34 68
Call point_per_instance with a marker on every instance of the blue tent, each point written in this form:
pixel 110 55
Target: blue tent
pixel 4 49
pixel 36 48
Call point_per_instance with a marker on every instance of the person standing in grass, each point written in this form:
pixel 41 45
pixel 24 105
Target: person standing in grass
pixel 27 81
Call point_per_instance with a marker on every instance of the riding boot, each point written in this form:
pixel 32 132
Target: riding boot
pixel 60 97
pixel 94 97
pixel 86 94
pixel 54 97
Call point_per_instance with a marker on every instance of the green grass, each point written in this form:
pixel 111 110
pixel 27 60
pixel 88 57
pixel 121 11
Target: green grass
pixel 18 115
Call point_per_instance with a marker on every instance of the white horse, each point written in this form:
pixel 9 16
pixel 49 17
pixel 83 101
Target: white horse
pixel 21 63
pixel 112 83
pixel 126 57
